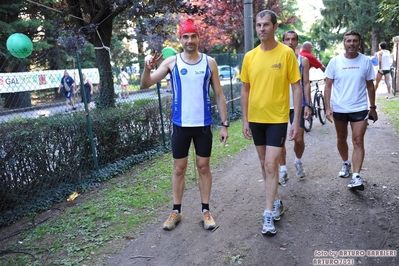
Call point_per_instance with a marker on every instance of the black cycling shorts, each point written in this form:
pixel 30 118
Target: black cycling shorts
pixel 269 134
pixel 181 140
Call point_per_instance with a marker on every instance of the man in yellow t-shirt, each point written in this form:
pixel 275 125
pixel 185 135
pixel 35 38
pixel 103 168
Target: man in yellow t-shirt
pixel 267 71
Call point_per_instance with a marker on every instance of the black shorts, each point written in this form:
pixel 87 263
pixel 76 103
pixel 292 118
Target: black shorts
pixel 302 121
pixel 269 134
pixel 384 72
pixel 181 140
pixel 351 117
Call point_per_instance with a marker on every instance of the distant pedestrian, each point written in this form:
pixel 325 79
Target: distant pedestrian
pixel 307 49
pixel 88 90
pixel 349 80
pixel 384 67
pixel 124 82
pixel 68 87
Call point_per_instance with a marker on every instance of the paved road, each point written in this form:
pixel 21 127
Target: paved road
pixel 55 108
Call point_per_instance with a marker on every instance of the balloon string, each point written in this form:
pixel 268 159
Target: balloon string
pixel 52 9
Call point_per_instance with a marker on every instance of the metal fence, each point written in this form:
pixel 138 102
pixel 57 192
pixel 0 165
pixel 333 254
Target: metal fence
pixel 50 148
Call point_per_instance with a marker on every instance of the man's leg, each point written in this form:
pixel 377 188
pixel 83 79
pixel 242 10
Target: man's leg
pixel 377 80
pixel 178 180
pixel 358 131
pixel 299 148
pixel 283 174
pixel 127 91
pixel 205 185
pixel 299 144
pixel 341 127
pixel 388 83
pixel 269 157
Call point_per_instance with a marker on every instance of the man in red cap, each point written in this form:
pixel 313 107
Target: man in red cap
pixel 192 74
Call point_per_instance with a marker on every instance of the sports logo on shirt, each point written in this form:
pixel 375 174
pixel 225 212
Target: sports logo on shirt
pixel 183 71
pixel 276 66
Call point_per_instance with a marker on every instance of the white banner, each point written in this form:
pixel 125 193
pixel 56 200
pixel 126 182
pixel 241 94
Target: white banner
pixel 40 80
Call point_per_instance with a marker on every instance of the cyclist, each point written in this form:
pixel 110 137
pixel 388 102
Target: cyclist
pixel 290 38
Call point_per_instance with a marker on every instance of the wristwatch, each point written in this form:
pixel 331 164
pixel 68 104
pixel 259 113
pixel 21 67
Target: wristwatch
pixel 225 123
pixel 308 105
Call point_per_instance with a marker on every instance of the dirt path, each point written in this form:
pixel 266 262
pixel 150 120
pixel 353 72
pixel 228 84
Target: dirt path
pixel 321 214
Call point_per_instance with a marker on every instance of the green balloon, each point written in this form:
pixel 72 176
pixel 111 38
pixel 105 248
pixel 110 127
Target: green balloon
pixel 168 52
pixel 19 45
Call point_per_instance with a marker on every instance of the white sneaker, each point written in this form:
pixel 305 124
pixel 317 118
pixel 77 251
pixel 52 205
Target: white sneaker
pixel 268 223
pixel 356 183
pixel 299 170
pixel 345 171
pixel 278 210
pixel 282 177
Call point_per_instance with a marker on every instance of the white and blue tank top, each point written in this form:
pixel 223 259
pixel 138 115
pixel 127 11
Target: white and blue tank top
pixel 190 83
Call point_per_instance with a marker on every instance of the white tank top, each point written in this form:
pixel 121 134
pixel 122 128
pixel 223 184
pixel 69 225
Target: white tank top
pixel 385 62
pixel 190 83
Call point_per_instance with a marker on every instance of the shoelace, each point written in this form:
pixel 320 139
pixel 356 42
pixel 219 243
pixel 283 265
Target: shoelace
pixel 207 216
pixel 172 216
pixel 268 220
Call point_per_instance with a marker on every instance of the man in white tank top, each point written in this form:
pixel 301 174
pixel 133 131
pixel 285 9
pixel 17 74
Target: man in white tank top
pixel 384 68
pixel 191 74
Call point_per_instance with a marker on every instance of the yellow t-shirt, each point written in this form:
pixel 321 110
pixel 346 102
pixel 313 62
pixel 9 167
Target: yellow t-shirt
pixel 269 74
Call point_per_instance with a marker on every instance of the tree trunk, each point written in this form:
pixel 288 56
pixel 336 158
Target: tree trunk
pixel 375 39
pixel 102 45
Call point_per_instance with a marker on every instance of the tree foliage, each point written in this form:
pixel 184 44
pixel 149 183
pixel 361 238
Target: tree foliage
pixel 389 11
pixel 340 16
pixel 222 24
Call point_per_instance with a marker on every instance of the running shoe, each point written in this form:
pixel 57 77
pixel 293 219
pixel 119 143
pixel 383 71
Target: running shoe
pixel 268 224
pixel 356 183
pixel 345 171
pixel 278 210
pixel 282 177
pixel 209 222
pixel 172 220
pixel 299 170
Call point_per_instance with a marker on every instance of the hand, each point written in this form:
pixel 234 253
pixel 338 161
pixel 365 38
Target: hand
pixel 329 115
pixel 153 61
pixel 293 132
pixel 373 114
pixel 246 130
pixel 224 135
pixel 307 112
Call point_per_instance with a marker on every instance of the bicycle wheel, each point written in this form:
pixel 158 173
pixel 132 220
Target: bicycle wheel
pixel 309 124
pixel 321 108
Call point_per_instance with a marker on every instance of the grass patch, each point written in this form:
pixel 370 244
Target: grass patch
pixel 102 219
pixel 391 109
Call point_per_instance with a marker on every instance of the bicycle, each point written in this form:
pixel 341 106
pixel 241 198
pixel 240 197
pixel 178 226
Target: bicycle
pixel 318 108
